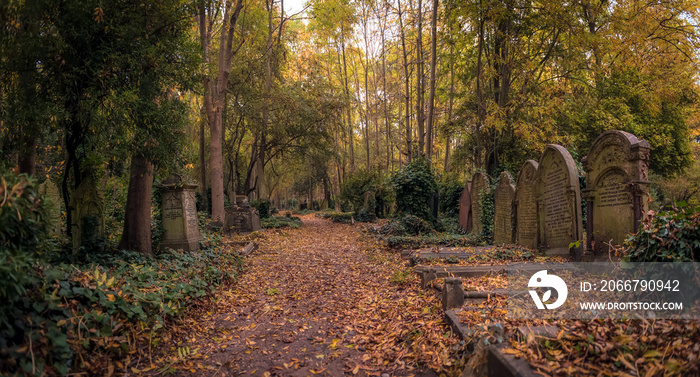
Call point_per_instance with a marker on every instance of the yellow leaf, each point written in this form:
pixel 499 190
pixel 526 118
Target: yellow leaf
pixel 61 323
pixel 135 371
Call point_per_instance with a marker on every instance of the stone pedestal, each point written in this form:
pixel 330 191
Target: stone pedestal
pixel 179 215
pixel 452 293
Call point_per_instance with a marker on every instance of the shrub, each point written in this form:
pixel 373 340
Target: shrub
pixel 487 213
pixel 341 217
pixel 449 190
pixel 414 186
pixel 416 226
pixel 22 230
pixel 263 207
pixel 672 236
pixel 352 192
pixel 276 222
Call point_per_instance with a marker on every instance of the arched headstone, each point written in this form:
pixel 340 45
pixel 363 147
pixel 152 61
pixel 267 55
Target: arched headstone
pixel 87 215
pixel 616 188
pixel 52 199
pixel 465 208
pixel 503 201
pixel 559 202
pixel 480 183
pixel 526 218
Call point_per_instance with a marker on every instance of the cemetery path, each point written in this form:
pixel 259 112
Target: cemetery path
pixel 320 300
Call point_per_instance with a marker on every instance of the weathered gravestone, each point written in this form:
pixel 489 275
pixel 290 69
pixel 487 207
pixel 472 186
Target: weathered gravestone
pixel 465 208
pixel 503 201
pixel 526 223
pixel 52 199
pixel 87 216
pixel 243 218
pixel 480 187
pixel 369 205
pixel 180 225
pixel 617 188
pixel 559 202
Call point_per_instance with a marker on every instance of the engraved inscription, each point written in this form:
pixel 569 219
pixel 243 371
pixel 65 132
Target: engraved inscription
pixel 557 210
pixel 526 218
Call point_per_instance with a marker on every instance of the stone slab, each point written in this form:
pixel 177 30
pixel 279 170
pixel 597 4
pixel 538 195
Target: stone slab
pixel 465 208
pixel 504 365
pixel 504 210
pixel 559 202
pixel 480 184
pixel 526 217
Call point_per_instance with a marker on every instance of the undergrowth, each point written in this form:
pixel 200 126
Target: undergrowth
pixel 276 222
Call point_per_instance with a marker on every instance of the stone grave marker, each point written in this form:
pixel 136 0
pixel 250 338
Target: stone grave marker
pixel 559 202
pixel 526 218
pixel 243 218
pixel 87 215
pixel 465 208
pixel 179 214
pixel 504 210
pixel 617 188
pixel 52 199
pixel 480 183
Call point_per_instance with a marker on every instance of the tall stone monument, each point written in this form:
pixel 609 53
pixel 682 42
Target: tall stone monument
pixel 617 188
pixel 559 202
pixel 465 208
pixel 480 184
pixel 87 215
pixel 526 217
pixel 50 195
pixel 504 210
pixel 179 214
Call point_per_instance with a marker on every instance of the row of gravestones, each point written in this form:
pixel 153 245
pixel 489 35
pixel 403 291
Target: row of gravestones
pixel 543 209
pixel 179 213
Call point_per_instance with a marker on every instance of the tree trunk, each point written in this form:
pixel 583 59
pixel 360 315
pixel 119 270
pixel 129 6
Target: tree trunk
pixel 433 69
pixel 419 81
pixel 351 133
pixel 215 91
pixel 203 159
pixel 409 133
pixel 137 219
pixel 27 155
pixel 448 136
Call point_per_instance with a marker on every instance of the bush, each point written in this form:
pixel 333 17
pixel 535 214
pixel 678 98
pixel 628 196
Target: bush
pixel 672 236
pixel 263 207
pixel 352 193
pixel 449 190
pixel 416 226
pixel 414 186
pixel 22 230
pixel 341 217
pixel 276 222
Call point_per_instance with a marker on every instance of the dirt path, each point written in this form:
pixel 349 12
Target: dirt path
pixel 321 300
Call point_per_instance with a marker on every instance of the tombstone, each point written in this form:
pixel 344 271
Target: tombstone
pixel 559 202
pixel 465 208
pixel 504 209
pixel 369 204
pixel 243 218
pixel 52 204
pixel 87 216
pixel 303 206
pixel 480 183
pixel 617 188
pixel 526 214
pixel 180 224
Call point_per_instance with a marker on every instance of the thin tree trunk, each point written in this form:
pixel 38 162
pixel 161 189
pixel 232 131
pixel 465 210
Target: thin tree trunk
pixel 351 133
pixel 136 235
pixel 448 136
pixel 409 133
pixel 419 81
pixel 433 69
pixel 481 106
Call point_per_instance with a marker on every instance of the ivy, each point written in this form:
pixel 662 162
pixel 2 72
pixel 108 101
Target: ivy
pixel 414 186
pixel 671 236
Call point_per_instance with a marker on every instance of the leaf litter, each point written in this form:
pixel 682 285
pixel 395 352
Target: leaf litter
pixel 320 300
